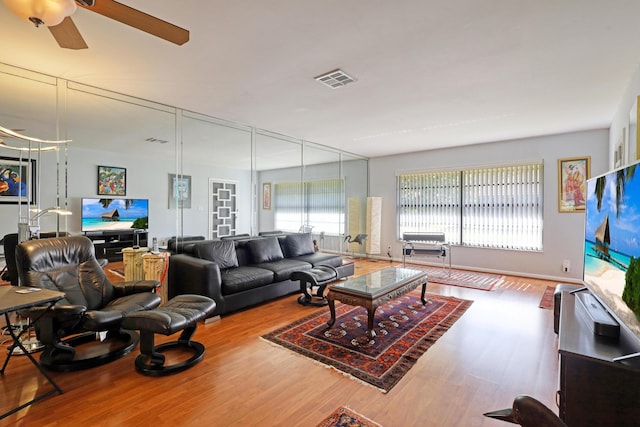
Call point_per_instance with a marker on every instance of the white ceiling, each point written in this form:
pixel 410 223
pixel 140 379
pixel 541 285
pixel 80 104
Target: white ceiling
pixel 429 73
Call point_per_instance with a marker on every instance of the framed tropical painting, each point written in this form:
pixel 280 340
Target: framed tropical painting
pixel 112 181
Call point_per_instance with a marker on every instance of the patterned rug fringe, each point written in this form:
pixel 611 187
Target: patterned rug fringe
pixel 324 365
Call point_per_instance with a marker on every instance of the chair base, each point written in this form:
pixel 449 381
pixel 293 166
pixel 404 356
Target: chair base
pixel 51 357
pixel 314 301
pixel 319 277
pixel 145 365
pixel 182 312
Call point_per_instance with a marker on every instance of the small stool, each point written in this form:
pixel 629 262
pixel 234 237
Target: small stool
pixel 181 313
pixel 557 296
pixel 320 276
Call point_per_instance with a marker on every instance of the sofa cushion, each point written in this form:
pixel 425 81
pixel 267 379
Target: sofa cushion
pixel 265 250
pixel 319 258
pixel 221 252
pixel 299 244
pixel 284 268
pixel 243 278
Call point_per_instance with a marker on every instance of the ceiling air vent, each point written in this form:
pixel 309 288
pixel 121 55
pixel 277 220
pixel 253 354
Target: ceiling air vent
pixel 335 79
pixel 156 140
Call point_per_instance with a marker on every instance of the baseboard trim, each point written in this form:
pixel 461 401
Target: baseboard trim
pixel 485 270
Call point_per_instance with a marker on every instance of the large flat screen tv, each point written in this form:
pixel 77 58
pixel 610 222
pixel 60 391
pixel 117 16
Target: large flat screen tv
pixel 114 214
pixel 612 237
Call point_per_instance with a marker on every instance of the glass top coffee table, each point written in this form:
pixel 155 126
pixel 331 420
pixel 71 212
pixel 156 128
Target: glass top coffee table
pixel 372 290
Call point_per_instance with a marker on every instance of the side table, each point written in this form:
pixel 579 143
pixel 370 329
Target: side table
pixel 13 298
pixel 155 266
pixel 132 261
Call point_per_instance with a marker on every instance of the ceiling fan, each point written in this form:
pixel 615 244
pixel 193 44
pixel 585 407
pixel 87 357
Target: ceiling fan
pixel 56 14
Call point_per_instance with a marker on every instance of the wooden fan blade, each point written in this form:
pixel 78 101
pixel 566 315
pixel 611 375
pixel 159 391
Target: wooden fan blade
pixel 140 20
pixel 67 35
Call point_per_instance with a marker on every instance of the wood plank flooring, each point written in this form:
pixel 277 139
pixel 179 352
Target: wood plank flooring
pixel 503 346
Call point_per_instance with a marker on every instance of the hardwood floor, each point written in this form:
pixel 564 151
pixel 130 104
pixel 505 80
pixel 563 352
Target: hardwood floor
pixel 502 346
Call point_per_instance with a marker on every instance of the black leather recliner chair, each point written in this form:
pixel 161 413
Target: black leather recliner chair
pixel 92 303
pixel 10 241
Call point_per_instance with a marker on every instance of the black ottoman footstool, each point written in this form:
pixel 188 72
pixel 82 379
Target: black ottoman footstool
pixel 320 276
pixel 181 313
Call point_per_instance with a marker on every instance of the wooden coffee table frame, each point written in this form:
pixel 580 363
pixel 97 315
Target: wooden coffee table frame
pixel 371 301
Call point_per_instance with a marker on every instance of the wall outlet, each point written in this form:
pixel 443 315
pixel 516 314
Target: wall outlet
pixel 566 265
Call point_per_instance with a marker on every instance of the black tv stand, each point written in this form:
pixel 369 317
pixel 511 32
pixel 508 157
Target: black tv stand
pixel 109 244
pixel 599 376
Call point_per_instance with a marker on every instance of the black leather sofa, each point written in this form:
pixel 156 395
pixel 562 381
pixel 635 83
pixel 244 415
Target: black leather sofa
pixel 240 273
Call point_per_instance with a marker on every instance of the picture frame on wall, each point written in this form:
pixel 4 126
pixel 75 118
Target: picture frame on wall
pixel 179 191
pixel 573 174
pixel 112 181
pixel 266 196
pixel 17 180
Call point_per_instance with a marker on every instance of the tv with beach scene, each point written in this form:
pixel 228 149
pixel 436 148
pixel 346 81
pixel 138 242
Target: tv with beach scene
pixel 612 242
pixel 102 214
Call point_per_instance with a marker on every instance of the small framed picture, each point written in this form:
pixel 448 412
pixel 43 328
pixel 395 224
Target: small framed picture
pixel 266 196
pixel 112 181
pixel 572 183
pixel 179 191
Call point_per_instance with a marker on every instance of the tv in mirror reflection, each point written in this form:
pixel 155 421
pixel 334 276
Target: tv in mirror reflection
pixel 612 237
pixel 114 214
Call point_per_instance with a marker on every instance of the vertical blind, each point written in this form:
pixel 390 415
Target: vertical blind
pixel 497 207
pixel 287 205
pixel 430 202
pixel 320 204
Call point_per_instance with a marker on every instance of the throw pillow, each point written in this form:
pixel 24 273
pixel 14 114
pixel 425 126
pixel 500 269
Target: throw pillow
pixel 265 250
pixel 221 252
pixel 299 244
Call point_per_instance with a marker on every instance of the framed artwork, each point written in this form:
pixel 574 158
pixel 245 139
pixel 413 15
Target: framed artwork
pixel 633 146
pixel 619 154
pixel 112 181
pixel 266 195
pixel 179 191
pixel 17 180
pixel 572 183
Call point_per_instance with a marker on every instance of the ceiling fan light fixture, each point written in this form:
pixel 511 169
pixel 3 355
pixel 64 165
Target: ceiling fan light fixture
pixel 47 12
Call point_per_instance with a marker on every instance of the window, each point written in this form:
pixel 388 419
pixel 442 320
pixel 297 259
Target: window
pixel 495 207
pixel 320 204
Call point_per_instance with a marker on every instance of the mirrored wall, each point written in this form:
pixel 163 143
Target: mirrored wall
pixel 201 175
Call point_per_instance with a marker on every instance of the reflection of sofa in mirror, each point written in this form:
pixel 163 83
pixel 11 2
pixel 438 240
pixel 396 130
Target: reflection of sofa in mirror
pixel 242 273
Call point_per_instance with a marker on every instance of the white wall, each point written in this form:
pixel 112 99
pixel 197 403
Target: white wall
pixel 563 232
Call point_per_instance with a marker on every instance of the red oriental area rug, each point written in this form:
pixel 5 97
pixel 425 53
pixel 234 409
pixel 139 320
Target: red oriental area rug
pixel 405 329
pixel 464 278
pixel 547 298
pixel 345 417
